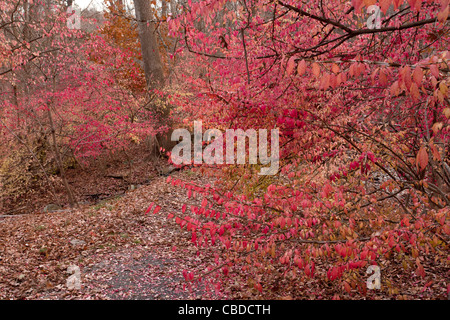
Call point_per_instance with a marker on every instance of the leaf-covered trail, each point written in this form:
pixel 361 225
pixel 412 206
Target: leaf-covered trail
pixel 122 252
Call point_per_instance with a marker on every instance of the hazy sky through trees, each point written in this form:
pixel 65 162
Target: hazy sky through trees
pixel 83 4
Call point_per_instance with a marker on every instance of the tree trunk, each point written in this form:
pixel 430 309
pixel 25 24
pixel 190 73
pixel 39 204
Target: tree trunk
pixel 72 200
pixel 149 46
pixel 173 8
pixel 152 67
pixel 163 9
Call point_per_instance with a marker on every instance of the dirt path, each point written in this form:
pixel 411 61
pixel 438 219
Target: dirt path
pixel 122 253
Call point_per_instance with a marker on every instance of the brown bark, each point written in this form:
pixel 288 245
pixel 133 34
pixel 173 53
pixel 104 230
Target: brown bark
pixel 152 66
pixel 173 8
pixel 149 45
pixel 72 200
pixel 163 9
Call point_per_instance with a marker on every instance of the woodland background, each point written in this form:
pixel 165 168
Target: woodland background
pixel 85 173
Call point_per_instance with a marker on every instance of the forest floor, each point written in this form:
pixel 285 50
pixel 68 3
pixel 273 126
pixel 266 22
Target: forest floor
pixel 124 253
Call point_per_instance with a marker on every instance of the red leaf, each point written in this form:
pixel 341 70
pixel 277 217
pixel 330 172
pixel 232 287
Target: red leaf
pixel 385 5
pixel 422 159
pixel 316 69
pixel 347 287
pixel 414 90
pixel 420 270
pixel 225 271
pixel 434 71
pixel 301 68
pixel 418 75
pixel 435 152
pixel 290 65
pixel 149 208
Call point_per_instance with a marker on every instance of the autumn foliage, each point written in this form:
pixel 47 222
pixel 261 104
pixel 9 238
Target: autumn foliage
pixel 67 95
pixel 364 119
pixel 363 115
